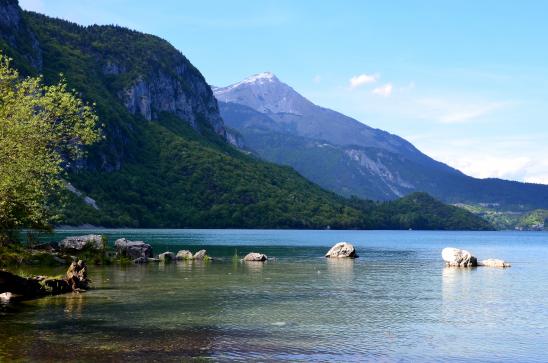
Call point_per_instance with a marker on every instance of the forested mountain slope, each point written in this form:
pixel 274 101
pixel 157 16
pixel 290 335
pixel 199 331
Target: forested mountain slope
pixel 165 160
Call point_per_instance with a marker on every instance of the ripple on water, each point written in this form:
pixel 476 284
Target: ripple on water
pixel 396 302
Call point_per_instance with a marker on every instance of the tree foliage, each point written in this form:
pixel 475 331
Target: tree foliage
pixel 42 128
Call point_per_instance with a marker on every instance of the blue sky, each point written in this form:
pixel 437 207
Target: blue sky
pixel 465 81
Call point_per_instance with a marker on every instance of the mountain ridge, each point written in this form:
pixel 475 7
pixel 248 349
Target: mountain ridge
pixel 165 161
pixel 370 163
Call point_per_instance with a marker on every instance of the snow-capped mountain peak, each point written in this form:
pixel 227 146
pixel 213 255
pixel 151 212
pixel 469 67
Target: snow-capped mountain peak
pixel 256 79
pixel 264 77
pixel 265 93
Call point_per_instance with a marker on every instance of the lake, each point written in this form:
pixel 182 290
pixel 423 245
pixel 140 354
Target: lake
pixel 397 302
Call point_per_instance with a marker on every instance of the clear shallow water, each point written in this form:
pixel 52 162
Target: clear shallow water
pixel 397 302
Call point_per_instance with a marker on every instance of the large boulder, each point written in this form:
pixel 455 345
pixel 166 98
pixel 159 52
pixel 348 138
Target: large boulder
pixel 78 243
pixel 455 257
pixel 166 256
pixel 342 250
pixel 184 255
pixel 493 262
pixel 133 249
pixel 200 255
pixel 254 256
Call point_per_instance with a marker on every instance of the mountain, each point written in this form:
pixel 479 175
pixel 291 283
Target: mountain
pixel 348 157
pixel 167 160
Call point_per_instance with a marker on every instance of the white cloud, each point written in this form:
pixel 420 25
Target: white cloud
pixel 513 158
pixel 487 166
pixel 317 79
pixel 384 91
pixel 448 111
pixel 472 112
pixel 363 79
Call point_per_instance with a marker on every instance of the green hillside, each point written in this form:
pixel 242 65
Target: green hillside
pixel 165 161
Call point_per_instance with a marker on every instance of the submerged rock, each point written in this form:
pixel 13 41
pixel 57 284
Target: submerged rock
pixel 166 256
pixel 342 250
pixel 200 255
pixel 133 249
pixel 493 262
pixel 140 260
pixel 455 257
pixel 254 256
pixel 184 255
pixel 78 243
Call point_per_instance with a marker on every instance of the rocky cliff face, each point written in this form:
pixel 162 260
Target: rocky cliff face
pixel 181 93
pixel 119 69
pixel 152 77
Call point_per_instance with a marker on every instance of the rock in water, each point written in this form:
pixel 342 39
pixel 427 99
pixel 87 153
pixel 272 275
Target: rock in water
pixel 493 262
pixel 455 257
pixel 133 249
pixel 254 256
pixel 184 255
pixel 78 243
pixel 200 255
pixel 75 279
pixel 342 250
pixel 166 256
pixel 77 275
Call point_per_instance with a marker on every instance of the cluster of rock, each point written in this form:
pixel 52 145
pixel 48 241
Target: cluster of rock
pixel 184 255
pixel 136 251
pixel 455 257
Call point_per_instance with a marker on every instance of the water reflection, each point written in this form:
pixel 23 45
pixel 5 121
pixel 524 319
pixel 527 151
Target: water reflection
pixel 254 266
pixel 73 305
pixel 394 303
pixel 340 270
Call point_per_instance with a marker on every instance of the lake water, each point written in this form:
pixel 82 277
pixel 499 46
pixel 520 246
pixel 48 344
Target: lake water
pixel 397 302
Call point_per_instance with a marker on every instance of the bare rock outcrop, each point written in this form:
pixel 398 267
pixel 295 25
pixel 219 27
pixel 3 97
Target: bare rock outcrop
pixel 133 249
pixel 342 250
pixel 166 257
pixel 200 255
pixel 255 257
pixel 455 257
pixel 493 262
pixel 78 243
pixel 184 255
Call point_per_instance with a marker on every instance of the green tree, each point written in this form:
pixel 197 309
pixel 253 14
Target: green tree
pixel 42 129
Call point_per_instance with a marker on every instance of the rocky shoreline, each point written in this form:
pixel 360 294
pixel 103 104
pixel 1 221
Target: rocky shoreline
pixel 74 250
